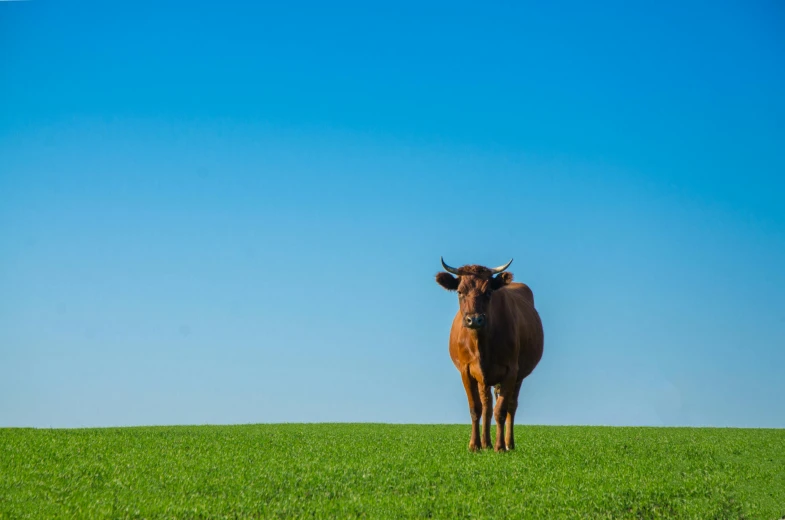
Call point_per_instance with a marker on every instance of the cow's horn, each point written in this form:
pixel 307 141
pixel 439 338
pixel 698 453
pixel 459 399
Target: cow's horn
pixel 501 268
pixel 449 269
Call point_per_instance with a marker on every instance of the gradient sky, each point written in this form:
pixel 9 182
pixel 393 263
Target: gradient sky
pixel 217 213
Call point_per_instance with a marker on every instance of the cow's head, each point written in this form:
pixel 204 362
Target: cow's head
pixel 475 285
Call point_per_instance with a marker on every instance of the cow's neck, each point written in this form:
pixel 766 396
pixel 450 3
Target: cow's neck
pixel 482 338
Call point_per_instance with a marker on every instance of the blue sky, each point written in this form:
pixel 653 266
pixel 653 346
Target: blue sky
pixel 216 213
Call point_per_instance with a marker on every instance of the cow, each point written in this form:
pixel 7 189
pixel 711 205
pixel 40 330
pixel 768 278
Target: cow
pixel 496 340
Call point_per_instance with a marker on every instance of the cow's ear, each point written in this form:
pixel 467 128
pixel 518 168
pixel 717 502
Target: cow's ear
pixel 447 281
pixel 501 279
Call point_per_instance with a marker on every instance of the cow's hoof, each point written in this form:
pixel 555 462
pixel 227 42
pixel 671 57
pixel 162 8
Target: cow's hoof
pixel 473 447
pixel 500 447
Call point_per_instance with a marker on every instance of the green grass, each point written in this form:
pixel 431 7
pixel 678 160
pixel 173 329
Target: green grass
pixel 390 471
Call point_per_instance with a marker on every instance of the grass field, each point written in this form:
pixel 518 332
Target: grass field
pixel 390 471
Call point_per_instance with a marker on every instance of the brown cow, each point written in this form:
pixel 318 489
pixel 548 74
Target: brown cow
pixel 496 340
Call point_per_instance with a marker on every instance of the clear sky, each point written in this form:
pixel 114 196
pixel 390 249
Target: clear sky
pixel 224 213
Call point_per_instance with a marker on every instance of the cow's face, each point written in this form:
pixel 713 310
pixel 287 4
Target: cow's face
pixel 475 285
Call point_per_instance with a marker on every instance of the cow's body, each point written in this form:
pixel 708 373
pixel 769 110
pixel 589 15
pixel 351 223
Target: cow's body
pixel 501 352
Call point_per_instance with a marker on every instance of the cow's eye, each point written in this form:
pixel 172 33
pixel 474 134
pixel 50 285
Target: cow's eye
pixel 488 293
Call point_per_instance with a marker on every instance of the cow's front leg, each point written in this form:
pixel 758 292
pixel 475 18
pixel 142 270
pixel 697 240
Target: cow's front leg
pixel 500 412
pixel 475 407
pixel 512 406
pixel 487 411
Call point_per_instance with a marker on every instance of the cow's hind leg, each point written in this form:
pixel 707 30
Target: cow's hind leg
pixel 512 406
pixel 475 407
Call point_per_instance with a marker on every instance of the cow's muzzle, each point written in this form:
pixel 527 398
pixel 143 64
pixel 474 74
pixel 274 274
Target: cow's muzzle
pixel 474 321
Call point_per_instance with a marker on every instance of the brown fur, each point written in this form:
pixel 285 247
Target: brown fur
pixel 501 354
